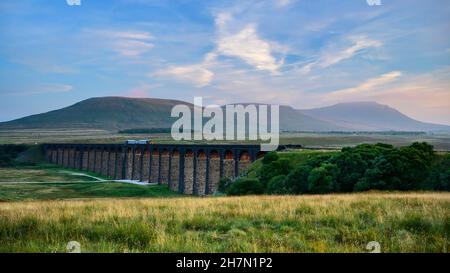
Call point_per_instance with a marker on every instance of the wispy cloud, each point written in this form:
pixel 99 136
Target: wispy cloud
pixel 331 56
pixel 125 43
pixel 41 89
pixel 366 87
pixel 45 64
pixel 283 3
pixel 247 45
pixel 141 91
pixel 198 74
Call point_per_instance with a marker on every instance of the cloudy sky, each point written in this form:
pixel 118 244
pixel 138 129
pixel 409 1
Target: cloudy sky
pixel 304 53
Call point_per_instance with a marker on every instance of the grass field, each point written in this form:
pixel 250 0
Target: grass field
pixel 400 222
pixel 57 190
pixel 326 140
pixel 40 174
pixel 49 182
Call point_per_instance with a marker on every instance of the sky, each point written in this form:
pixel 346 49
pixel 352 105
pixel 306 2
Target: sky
pixel 302 53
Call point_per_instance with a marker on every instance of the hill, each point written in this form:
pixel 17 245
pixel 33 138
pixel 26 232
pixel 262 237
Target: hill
pixel 121 113
pixel 371 116
pixel 110 113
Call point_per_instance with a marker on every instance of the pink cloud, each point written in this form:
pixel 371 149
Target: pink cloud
pixel 141 91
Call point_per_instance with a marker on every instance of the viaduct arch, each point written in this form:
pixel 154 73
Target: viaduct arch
pixel 189 169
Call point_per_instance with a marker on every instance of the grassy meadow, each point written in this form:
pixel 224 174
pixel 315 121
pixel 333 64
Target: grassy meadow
pixel 49 182
pixel 400 222
pixel 41 174
pixel 325 140
pixel 71 190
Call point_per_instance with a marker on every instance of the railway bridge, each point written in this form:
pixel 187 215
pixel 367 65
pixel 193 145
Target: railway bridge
pixel 187 168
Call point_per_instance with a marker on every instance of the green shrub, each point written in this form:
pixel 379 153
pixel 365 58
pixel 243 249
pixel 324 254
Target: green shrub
pixel 352 167
pixel 224 184
pixel 245 186
pixel 9 154
pixel 323 179
pixel 270 157
pixel 297 180
pixel 277 185
pixel 274 168
pixel 399 169
pixel 439 178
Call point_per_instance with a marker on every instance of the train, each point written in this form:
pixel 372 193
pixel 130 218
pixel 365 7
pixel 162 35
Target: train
pixel 142 141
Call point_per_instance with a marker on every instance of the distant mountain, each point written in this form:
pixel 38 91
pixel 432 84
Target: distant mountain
pixel 120 113
pixel 371 116
pixel 294 120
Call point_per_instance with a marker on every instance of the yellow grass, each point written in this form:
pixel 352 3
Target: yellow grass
pixel 400 222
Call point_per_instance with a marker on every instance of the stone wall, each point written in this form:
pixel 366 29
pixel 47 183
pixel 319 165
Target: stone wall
pixel 70 158
pixel 200 174
pixel 137 165
pixel 65 158
pixel 105 165
pixel 92 160
pixel 98 161
pixel 129 165
pixel 214 173
pixel 120 165
pixel 54 156
pixel 77 162
pixel 164 168
pixel 85 164
pixel 155 167
pixel 146 166
pixel 111 164
pixel 244 163
pixel 228 165
pixel 188 172
pixel 175 171
pixel 60 157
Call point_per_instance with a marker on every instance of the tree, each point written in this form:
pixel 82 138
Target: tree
pixel 245 186
pixel 270 157
pixel 277 185
pixel 439 178
pixel 279 167
pixel 323 179
pixel 398 169
pixel 297 180
pixel 352 167
pixel 224 184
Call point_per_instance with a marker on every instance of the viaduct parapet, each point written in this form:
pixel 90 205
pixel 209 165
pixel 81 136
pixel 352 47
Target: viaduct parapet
pixel 188 169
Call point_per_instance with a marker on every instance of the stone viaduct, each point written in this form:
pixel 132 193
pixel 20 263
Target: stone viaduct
pixel 186 168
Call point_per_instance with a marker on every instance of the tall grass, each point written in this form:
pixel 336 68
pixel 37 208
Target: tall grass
pixel 400 222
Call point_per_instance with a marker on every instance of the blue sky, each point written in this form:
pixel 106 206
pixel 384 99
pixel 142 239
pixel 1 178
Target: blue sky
pixel 304 53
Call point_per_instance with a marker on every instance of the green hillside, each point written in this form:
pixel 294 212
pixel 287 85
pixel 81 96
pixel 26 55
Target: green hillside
pixel 110 113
